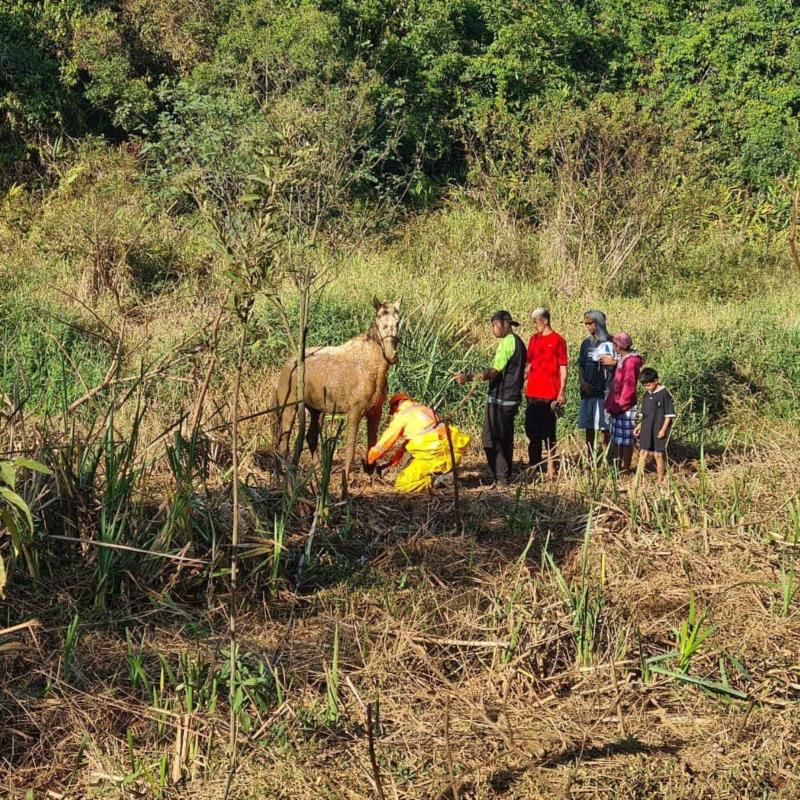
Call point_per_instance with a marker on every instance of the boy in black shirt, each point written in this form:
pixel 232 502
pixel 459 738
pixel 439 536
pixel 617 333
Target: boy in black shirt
pixel 658 413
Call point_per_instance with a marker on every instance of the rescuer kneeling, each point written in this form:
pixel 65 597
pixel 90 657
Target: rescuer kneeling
pixel 417 430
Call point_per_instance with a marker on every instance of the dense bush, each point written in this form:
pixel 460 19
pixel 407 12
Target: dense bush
pixel 440 73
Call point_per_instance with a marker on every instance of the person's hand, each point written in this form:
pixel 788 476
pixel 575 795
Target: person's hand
pixel 586 389
pixel 662 434
pixel 561 399
pixel 637 430
pixel 460 378
pixel 608 361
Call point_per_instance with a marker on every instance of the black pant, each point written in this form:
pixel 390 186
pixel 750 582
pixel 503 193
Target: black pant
pixel 540 428
pixel 498 439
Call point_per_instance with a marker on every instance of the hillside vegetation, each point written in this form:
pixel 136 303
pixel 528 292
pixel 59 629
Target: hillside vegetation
pixel 182 185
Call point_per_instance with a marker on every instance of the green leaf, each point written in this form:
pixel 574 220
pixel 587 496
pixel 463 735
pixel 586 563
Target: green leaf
pixel 29 463
pixel 14 499
pixel 8 474
pixel 704 683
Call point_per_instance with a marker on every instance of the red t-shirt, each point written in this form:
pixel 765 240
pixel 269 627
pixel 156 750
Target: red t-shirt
pixel 546 353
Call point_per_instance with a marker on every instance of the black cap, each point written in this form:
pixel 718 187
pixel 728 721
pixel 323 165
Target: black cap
pixel 504 316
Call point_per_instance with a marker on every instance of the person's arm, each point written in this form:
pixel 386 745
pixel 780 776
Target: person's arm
pixel 528 360
pixel 562 394
pixel 563 361
pixel 501 358
pixel 586 389
pixel 482 375
pixel 627 392
pixel 662 434
pixel 669 415
pixel 389 437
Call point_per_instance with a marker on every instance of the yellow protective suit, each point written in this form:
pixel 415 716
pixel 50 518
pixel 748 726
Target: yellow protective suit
pixel 430 455
pixel 425 440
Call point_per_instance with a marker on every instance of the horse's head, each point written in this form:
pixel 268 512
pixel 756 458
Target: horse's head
pixel 385 326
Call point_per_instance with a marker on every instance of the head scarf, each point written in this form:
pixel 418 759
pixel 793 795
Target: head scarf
pixel 623 341
pixel 600 334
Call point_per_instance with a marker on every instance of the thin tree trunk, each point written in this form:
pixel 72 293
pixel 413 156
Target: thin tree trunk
pixel 234 561
pixel 301 371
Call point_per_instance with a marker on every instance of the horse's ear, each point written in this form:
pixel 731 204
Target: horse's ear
pixel 396 304
pixel 376 303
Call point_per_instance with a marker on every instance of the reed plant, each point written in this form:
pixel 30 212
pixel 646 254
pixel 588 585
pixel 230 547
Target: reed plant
pixel 17 518
pixel 584 599
pixel 187 511
pixel 71 638
pixel 117 521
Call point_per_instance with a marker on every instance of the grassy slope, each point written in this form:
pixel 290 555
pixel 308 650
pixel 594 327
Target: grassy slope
pixel 420 609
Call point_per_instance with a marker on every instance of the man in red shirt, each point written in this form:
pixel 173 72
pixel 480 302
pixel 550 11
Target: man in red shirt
pixel 546 380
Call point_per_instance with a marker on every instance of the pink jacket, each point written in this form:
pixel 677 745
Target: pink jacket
pixel 622 396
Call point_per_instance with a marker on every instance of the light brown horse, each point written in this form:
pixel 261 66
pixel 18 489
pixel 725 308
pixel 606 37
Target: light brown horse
pixel 349 379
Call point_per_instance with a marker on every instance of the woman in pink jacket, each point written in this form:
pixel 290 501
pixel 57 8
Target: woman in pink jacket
pixel 621 400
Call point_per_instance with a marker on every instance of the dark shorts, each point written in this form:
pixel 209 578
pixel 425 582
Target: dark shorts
pixel 654 445
pixel 540 420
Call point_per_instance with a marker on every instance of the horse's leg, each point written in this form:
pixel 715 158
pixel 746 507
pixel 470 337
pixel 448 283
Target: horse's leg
pixel 353 419
pixel 286 420
pixel 312 437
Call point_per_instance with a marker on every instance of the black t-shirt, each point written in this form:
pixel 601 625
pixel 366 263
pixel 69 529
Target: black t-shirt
pixel 598 376
pixel 656 407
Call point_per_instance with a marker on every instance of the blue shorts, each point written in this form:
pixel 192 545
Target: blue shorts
pixel 592 414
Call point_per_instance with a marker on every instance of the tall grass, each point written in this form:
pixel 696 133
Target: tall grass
pixel 187 511
pixel 117 523
pixel 433 347
pixel 584 599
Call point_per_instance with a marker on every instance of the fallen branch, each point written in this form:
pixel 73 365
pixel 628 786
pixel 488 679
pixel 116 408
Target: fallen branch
pixel 30 624
pixel 376 773
pixel 172 557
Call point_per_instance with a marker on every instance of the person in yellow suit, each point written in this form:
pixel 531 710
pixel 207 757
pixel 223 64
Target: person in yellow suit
pixel 420 433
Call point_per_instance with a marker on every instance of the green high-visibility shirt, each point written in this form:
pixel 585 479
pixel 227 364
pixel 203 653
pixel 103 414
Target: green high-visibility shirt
pixel 505 349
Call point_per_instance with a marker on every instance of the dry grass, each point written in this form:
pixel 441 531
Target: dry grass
pixel 463 643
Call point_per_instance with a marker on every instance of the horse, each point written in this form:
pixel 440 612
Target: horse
pixel 348 379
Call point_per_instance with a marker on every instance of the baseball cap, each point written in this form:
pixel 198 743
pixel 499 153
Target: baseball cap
pixel 504 316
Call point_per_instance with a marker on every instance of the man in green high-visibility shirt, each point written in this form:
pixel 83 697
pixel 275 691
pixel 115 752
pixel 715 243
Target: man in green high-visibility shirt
pixel 506 377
